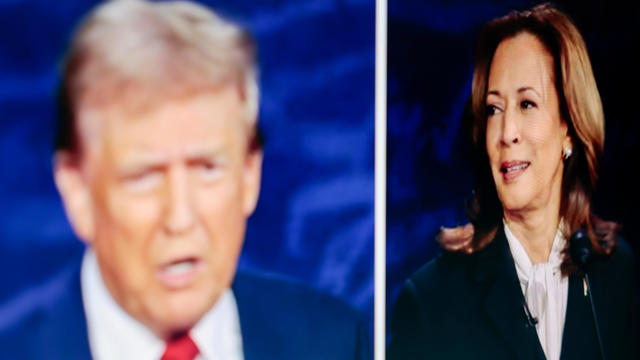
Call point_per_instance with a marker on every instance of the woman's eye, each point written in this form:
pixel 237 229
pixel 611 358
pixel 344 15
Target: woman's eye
pixel 526 104
pixel 492 110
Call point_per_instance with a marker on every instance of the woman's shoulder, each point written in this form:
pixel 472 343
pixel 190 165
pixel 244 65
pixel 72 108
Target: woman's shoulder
pixel 459 274
pixel 614 285
pixel 447 272
pixel 421 319
pixel 623 253
pixel 621 258
pixel 619 265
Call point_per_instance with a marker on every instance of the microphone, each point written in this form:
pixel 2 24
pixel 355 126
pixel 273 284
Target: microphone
pixel 580 250
pixel 581 254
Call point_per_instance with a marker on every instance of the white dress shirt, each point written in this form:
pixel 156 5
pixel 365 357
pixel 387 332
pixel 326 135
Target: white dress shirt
pixel 114 334
pixel 545 290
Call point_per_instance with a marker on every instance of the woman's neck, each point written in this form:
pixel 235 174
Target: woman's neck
pixel 536 230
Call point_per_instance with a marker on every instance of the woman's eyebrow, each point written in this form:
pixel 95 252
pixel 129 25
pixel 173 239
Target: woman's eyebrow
pixel 525 88
pixel 520 90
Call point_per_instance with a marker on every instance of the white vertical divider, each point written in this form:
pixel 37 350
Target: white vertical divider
pixel 380 178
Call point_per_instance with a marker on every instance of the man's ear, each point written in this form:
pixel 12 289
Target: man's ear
pixel 252 176
pixel 75 191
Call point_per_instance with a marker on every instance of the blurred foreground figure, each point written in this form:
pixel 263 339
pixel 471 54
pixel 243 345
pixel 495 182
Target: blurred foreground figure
pixel 158 164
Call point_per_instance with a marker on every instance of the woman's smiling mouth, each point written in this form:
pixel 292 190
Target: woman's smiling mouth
pixel 512 169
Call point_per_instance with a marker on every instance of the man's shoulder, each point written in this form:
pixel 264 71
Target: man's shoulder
pixel 25 309
pixel 45 315
pixel 277 291
pixel 282 317
pixel 287 300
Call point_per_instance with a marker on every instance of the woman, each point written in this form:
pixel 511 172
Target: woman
pixel 506 286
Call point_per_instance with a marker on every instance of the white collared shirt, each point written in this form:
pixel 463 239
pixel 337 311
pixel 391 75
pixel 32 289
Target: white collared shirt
pixel 114 334
pixel 545 290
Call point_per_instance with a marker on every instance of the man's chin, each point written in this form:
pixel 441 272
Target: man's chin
pixel 181 312
pixel 168 327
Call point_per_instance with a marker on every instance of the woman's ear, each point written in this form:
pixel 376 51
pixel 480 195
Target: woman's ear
pixel 567 147
pixel 75 192
pixel 567 141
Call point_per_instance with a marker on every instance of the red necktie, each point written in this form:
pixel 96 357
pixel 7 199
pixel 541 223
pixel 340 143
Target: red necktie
pixel 180 348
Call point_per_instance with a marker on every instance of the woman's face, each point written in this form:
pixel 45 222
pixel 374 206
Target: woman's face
pixel 525 133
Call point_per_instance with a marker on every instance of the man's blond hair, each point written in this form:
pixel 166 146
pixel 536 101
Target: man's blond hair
pixel 137 54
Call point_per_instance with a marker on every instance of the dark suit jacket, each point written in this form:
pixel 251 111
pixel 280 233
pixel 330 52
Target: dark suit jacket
pixel 278 319
pixel 471 307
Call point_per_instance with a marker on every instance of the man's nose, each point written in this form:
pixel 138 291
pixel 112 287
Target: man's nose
pixel 180 217
pixel 510 128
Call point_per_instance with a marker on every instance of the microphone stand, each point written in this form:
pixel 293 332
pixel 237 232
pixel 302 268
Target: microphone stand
pixel 595 317
pixel 580 251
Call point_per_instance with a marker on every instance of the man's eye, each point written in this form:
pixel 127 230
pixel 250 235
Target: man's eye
pixel 209 170
pixel 142 181
pixel 526 104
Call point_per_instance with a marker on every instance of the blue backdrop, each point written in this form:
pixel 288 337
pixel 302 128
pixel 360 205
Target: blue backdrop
pixel 314 220
pixel 430 174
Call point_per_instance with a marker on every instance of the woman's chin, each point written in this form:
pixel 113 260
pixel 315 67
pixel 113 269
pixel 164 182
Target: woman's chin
pixel 513 201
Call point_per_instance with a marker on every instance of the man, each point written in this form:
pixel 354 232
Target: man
pixel 158 165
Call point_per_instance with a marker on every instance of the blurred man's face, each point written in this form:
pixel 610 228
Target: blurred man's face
pixel 169 193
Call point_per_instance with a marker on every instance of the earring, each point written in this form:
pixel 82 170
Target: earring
pixel 566 153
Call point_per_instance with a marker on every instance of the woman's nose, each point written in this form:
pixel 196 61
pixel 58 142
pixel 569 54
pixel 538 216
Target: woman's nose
pixel 510 128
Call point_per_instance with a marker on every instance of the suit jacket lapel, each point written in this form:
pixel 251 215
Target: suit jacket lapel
pixel 504 299
pixel 259 339
pixel 246 312
pixel 578 338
